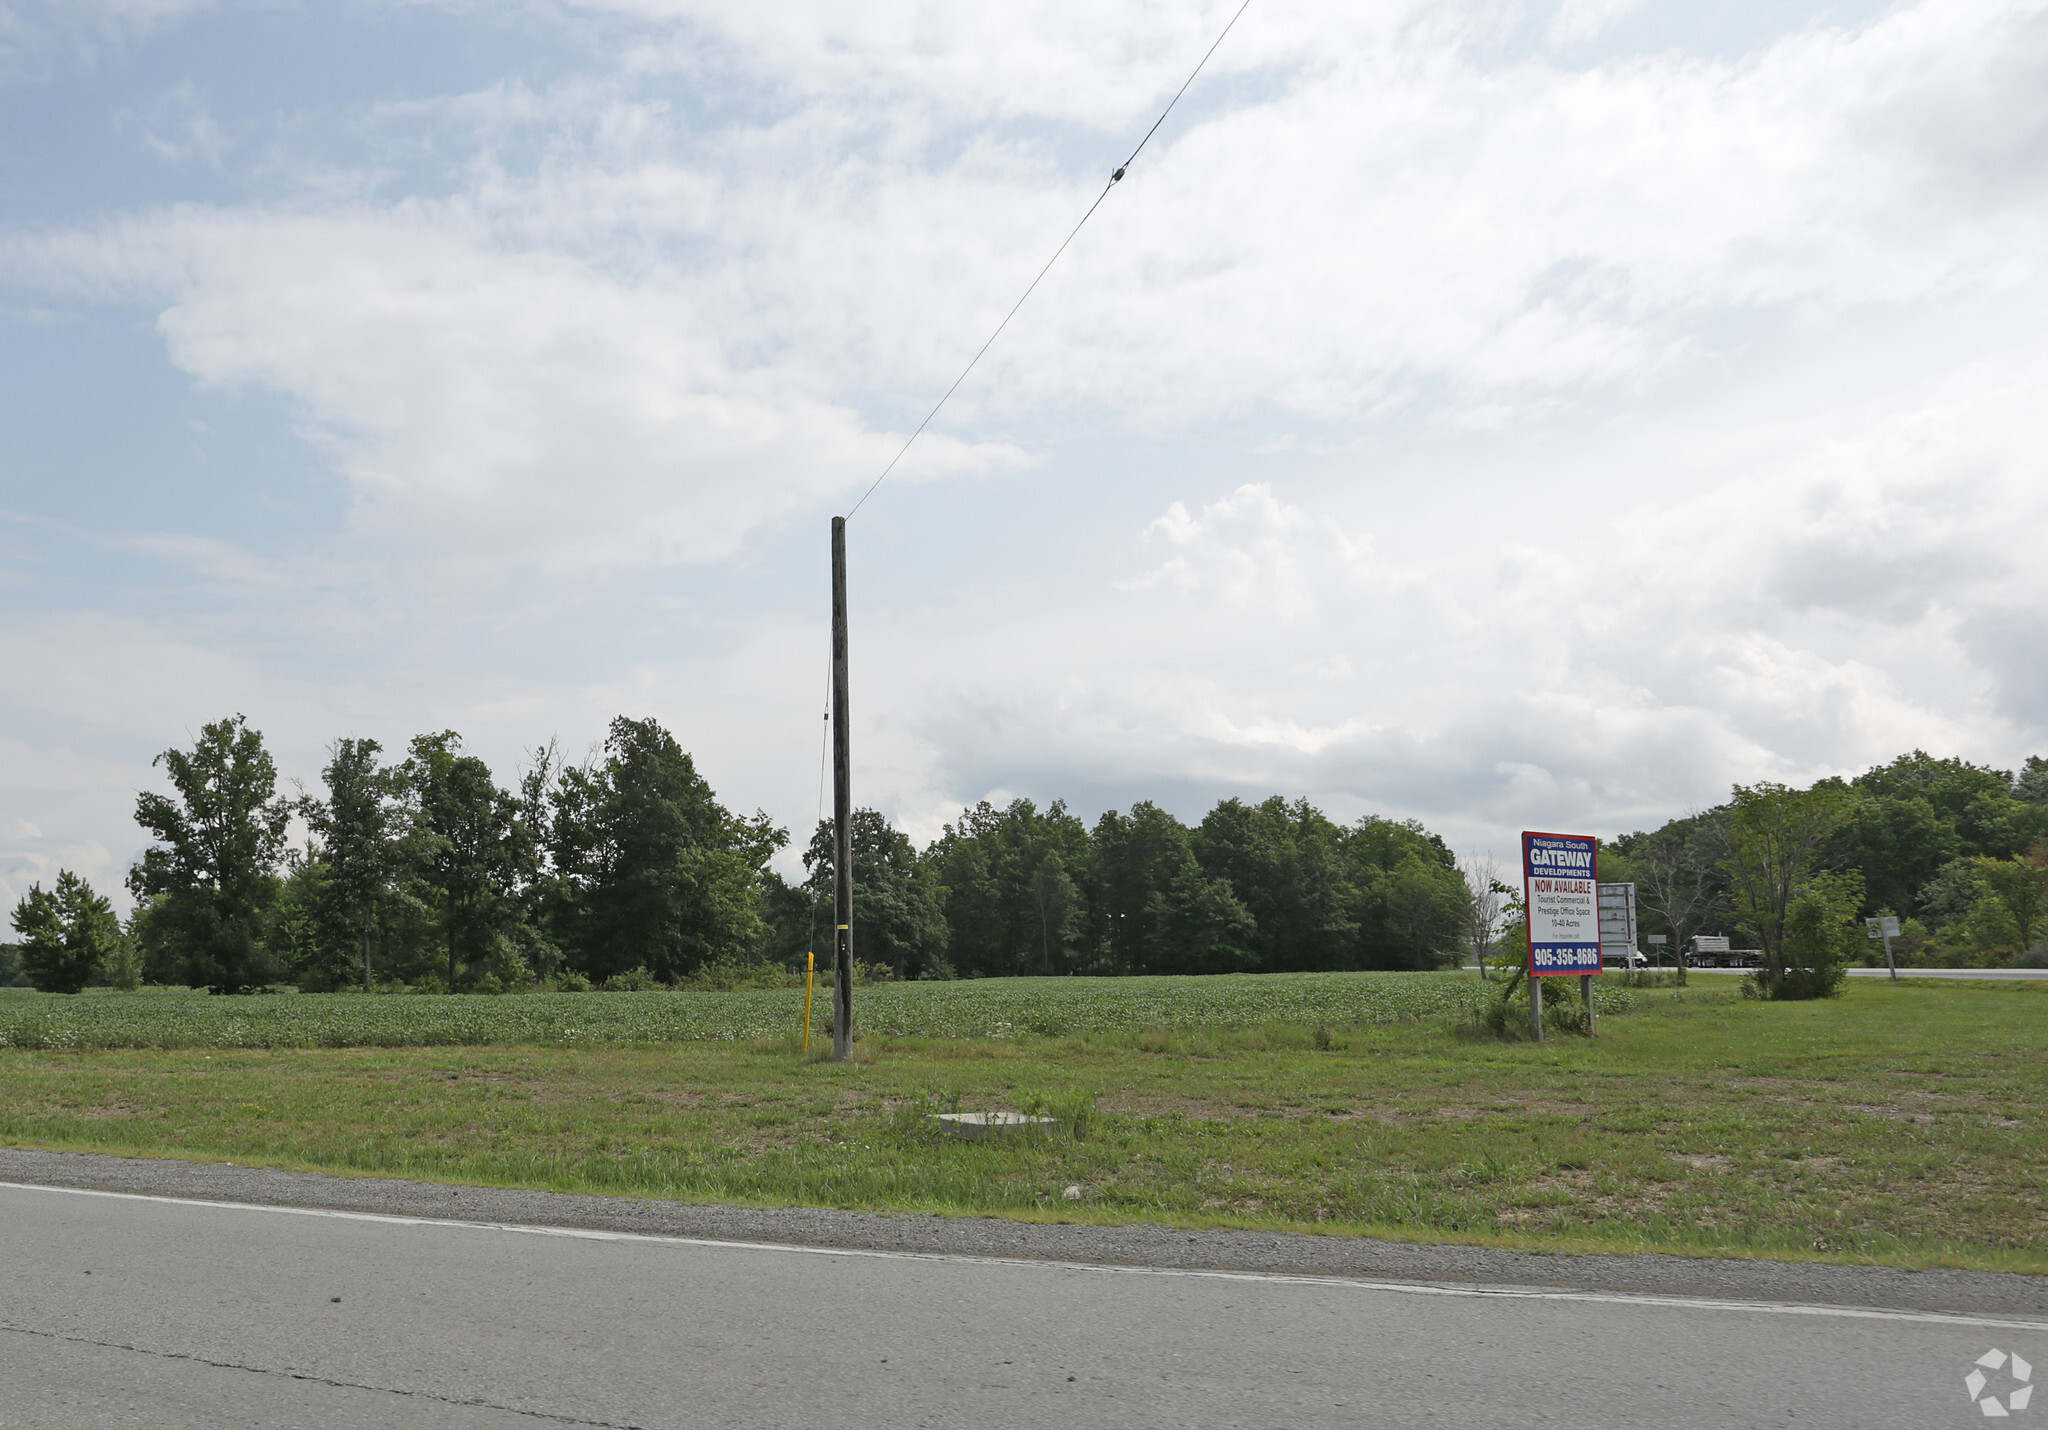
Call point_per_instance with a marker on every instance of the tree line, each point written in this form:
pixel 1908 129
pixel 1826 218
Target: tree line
pixel 419 870
pixel 1957 851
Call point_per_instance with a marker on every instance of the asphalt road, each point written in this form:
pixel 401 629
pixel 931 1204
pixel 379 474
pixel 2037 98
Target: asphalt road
pixel 1993 975
pixel 125 1310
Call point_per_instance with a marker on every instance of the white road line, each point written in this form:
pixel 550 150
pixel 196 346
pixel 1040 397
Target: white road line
pixel 1406 1288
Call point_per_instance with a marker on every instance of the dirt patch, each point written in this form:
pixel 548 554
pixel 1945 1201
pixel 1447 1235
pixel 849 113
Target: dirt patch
pixel 1194 1111
pixel 1702 1161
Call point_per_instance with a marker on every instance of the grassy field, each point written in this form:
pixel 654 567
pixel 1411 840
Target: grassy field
pixel 977 1008
pixel 1903 1123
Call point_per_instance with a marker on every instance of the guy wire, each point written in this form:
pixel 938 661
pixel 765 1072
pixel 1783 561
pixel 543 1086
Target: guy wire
pixel 1114 179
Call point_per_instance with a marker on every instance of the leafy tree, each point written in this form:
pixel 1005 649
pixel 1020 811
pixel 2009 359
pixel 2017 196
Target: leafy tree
pixel 655 873
pixel 208 881
pixel 1821 936
pixel 2030 787
pixel 1900 843
pixel 1681 889
pixel 1285 864
pixel 1410 907
pixel 2021 888
pixel 1015 882
pixel 1154 908
pixel 291 935
pixel 466 848
pixel 898 914
pixel 1953 892
pixel 1774 838
pixel 1990 909
pixel 69 934
pixel 789 918
pixel 354 825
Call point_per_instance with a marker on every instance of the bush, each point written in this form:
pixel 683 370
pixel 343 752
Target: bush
pixel 572 982
pixel 1818 947
pixel 727 976
pixel 633 980
pixel 1506 1015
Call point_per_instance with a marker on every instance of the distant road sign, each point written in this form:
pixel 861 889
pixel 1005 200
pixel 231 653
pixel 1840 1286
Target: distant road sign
pixel 1563 903
pixel 1886 927
pixel 1618 924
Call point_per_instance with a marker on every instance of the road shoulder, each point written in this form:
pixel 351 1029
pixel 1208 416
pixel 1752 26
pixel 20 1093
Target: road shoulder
pixel 1959 1292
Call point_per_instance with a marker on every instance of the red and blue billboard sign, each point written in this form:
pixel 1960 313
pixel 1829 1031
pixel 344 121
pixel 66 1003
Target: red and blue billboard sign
pixel 1561 892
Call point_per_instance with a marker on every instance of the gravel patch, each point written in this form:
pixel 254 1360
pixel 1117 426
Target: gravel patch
pixel 1960 1292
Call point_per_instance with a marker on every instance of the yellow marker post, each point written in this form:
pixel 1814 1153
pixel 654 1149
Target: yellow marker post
pixel 810 968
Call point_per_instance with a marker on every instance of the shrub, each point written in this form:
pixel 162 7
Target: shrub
pixel 633 980
pixel 728 976
pixel 1820 939
pixel 1505 1016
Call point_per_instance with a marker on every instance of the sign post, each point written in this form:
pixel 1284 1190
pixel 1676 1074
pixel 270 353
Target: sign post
pixel 1657 941
pixel 1886 928
pixel 1562 900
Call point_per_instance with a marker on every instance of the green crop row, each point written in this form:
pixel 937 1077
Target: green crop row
pixel 976 1008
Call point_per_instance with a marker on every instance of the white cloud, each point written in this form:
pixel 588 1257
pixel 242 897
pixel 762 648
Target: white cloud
pixel 640 345
pixel 1773 319
pixel 1677 648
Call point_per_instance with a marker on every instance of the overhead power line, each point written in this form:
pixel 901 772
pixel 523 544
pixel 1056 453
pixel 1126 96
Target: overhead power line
pixel 1114 179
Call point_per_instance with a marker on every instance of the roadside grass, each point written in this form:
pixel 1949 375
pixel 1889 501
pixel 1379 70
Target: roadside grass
pixel 1901 1124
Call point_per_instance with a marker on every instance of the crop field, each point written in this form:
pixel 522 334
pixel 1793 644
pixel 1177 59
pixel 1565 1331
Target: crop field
pixel 1902 1123
pixel 976 1008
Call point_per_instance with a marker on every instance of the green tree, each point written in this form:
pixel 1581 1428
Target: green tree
pixel 291 934
pixel 1155 910
pixel 791 926
pixel 1774 839
pixel 1285 863
pixel 2020 886
pixel 466 848
pixel 1821 936
pixel 1681 888
pixel 208 881
pixel 1015 883
pixel 1900 843
pixel 354 825
pixel 69 934
pixel 655 872
pixel 2030 786
pixel 1410 907
pixel 898 911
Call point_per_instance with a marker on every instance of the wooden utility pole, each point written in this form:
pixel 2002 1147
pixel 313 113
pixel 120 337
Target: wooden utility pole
pixel 842 813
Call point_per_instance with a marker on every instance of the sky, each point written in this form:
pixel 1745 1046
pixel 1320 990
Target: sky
pixel 1504 415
